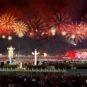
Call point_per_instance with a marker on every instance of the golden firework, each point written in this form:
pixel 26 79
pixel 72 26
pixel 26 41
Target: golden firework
pixel 7 21
pixel 20 28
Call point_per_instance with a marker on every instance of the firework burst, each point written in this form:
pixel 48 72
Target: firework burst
pixel 7 21
pixel 63 29
pixel 60 18
pixel 76 32
pixel 37 28
pixel 20 28
pixel 60 21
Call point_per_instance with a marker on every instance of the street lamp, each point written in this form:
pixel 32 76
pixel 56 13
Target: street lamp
pixel 35 53
pixel 10 53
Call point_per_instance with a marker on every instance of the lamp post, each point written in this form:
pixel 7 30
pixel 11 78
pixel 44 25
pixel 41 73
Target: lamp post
pixel 35 53
pixel 10 53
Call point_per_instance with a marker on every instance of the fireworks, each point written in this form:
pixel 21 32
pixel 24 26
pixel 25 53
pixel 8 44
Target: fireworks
pixel 6 23
pixel 32 34
pixel 20 28
pixel 60 18
pixel 37 27
pixel 75 32
pixel 9 26
pixel 63 29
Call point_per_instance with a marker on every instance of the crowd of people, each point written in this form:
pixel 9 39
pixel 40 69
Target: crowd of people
pixel 43 80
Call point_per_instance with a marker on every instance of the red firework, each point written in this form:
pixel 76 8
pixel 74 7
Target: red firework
pixel 38 28
pixel 75 32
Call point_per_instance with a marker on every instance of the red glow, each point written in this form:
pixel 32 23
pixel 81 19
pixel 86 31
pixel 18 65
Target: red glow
pixel 32 34
pixel 71 55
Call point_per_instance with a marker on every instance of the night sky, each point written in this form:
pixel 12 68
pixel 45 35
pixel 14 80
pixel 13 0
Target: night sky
pixel 45 9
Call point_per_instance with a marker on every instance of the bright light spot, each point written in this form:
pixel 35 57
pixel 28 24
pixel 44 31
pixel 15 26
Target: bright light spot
pixel 45 54
pixel 74 44
pixel 31 34
pixel 53 31
pixel 42 33
pixel 10 48
pixel 20 35
pixel 73 36
pixel 9 37
pixel 10 53
pixel 71 42
pixel 63 33
pixel 78 32
pixel 0 54
pixel 3 36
